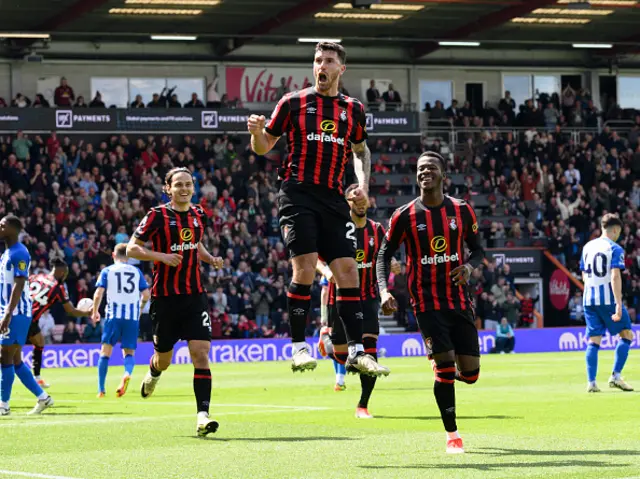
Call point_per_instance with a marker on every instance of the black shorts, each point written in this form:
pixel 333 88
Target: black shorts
pixel 183 316
pixel 370 322
pixel 33 329
pixel 314 219
pixel 450 330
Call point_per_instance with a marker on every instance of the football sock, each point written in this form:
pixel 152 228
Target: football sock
pixel 202 388
pixel 103 367
pixel 350 312
pixel 129 363
pixel 367 382
pixel 445 393
pixel 592 361
pixel 37 360
pixel 25 376
pixel 6 382
pixel 298 304
pixel 154 372
pixel 621 354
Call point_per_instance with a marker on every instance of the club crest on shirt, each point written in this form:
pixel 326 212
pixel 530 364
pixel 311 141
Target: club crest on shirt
pixel 343 115
pixel 22 265
pixel 371 241
pixel 453 224
pixel 195 222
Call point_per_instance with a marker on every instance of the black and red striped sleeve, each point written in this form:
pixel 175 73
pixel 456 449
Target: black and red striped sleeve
pixel 472 235
pixel 63 293
pixel 359 130
pixel 280 118
pixel 148 226
pixel 392 240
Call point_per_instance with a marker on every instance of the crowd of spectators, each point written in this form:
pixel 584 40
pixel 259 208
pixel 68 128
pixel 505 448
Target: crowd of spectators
pixel 79 198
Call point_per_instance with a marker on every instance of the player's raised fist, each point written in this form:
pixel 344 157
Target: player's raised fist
pixel 217 262
pixel 173 259
pixel 461 274
pixel 359 197
pixel 255 123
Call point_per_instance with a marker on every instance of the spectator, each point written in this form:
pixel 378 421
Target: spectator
pixel 373 97
pixel 97 101
pixel 511 309
pixel 527 309
pixel 71 334
pixel 576 309
pixel 137 102
pixel 194 102
pixel 40 102
pixel 92 332
pixel 283 89
pixel 505 337
pixel 261 300
pixel 157 101
pixel 173 102
pixel 21 146
pixel 80 103
pixel 64 95
pixel 391 99
pixel 21 101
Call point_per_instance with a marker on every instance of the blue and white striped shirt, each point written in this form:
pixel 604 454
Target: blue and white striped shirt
pixel 599 257
pixel 14 263
pixel 123 283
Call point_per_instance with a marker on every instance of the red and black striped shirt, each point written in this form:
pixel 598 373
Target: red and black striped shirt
pixel 45 291
pixel 172 231
pixel 433 238
pixel 369 240
pixel 319 130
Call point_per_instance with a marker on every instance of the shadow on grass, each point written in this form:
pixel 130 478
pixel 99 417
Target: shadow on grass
pixel 437 418
pixel 502 451
pixel 269 439
pixel 502 465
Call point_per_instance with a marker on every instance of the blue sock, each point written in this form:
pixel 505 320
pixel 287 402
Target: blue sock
pixel 129 362
pixel 29 381
pixel 336 366
pixel 6 382
pixel 341 369
pixel 622 352
pixel 592 361
pixel 103 366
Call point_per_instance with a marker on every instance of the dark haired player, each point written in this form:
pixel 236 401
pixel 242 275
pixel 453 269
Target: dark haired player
pixel 45 291
pixel 179 304
pixel 15 317
pixel 320 124
pixel 602 263
pixel 332 340
pixel 433 228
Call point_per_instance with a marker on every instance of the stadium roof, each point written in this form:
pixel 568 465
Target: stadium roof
pixel 416 25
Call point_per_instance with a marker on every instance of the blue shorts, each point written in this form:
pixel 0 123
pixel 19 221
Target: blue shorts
pixel 123 330
pixel 598 319
pixel 18 330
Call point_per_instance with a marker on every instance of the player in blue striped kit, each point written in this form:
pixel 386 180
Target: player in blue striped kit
pixel 127 293
pixel 15 317
pixel 602 263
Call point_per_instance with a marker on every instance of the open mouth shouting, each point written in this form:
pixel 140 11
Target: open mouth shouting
pixel 323 80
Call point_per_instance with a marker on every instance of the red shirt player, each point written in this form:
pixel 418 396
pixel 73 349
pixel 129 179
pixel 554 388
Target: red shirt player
pixel 332 341
pixel 45 291
pixel 179 303
pixel 321 126
pixel 433 228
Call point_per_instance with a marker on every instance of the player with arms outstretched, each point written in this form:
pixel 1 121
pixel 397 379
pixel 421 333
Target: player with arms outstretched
pixel 332 340
pixel 602 263
pixel 433 228
pixel 127 294
pixel 179 303
pixel 45 291
pixel 15 317
pixel 320 124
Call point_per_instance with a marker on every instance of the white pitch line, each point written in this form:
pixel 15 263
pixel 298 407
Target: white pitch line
pixel 33 474
pixel 187 403
pixel 41 422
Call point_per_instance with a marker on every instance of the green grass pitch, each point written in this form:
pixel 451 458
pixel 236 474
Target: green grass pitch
pixel 528 417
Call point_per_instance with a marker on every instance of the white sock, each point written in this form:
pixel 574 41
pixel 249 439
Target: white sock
pixel 616 375
pixel 453 435
pixel 355 349
pixel 4 404
pixel 38 378
pixel 340 379
pixel 203 415
pixel 300 345
pixel 43 396
pixel 592 383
